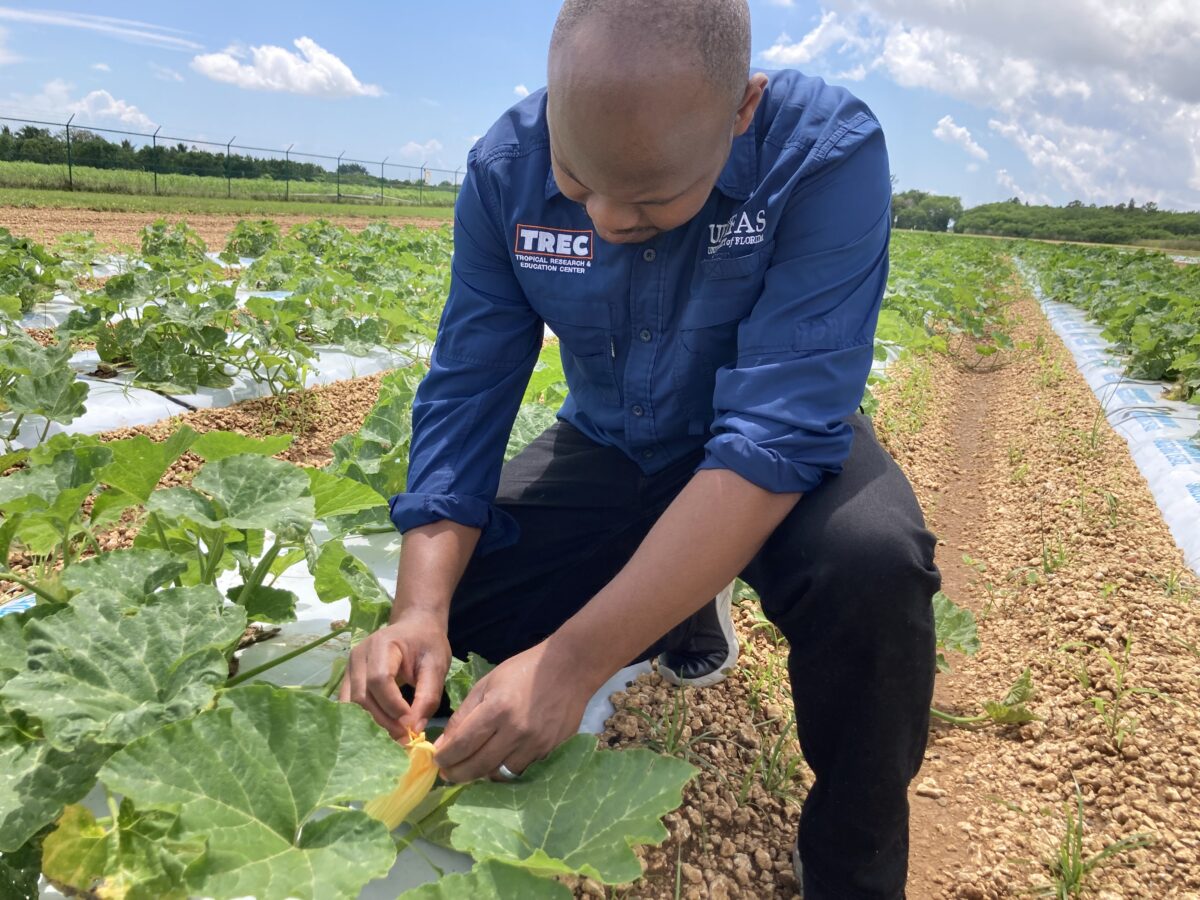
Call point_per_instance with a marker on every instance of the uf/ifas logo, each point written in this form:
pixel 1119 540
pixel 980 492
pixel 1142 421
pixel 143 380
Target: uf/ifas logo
pixel 560 243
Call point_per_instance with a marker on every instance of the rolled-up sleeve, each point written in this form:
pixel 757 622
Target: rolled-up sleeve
pixel 486 347
pixel 805 350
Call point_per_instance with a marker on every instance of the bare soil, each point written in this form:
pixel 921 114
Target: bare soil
pixel 1048 532
pixel 115 229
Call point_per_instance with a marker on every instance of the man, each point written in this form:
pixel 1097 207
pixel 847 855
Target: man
pixel 711 252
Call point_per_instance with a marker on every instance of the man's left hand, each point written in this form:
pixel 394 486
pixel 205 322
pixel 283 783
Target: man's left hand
pixel 515 715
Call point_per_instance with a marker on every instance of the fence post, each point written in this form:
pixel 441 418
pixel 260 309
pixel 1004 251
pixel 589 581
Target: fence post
pixel 421 185
pixel 339 176
pixel 154 155
pixel 456 171
pixel 228 177
pixel 287 172
pixel 381 165
pixel 70 167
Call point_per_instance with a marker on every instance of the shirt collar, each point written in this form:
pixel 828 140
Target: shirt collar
pixel 736 179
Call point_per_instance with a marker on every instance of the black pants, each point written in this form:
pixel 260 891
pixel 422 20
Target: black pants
pixel 847 577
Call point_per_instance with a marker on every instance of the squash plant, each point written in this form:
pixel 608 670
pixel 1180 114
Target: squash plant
pixel 120 678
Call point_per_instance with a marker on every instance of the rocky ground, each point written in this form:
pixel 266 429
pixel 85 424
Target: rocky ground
pixel 124 228
pixel 1049 534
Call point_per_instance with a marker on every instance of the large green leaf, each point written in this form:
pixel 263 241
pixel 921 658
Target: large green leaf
pixel 130 574
pixel 250 776
pixel 138 464
pixel 491 881
pixel 340 574
pixel 577 811
pixel 258 492
pixel 111 672
pixel 135 858
pixel 218 445
pixel 37 780
pixel 335 495
pixel 59 396
pixel 265 603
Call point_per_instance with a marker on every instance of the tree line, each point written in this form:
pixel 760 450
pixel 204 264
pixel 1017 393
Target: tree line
pixel 33 144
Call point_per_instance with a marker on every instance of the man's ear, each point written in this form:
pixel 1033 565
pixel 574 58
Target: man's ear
pixel 751 97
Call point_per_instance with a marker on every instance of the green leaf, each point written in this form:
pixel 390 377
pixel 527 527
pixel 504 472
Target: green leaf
pixel 250 775
pixel 532 419
pixel 462 677
pixel 138 464
pixel 135 858
pixel 259 492
pixel 1012 709
pixel 20 871
pixel 218 445
pixel 266 604
pixel 955 628
pixel 578 811
pixel 58 396
pixel 37 780
pixel 491 881
pixel 335 495
pixel 339 574
pixel 128 574
pixel 106 671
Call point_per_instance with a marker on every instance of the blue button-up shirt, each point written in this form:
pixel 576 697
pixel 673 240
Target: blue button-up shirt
pixel 747 331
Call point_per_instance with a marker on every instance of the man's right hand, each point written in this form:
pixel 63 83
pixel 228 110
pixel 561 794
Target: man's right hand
pixel 413 649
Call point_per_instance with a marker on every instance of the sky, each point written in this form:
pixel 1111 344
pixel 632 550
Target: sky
pixel 1046 100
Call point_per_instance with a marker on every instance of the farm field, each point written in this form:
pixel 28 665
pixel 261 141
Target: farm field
pixel 1063 752
pixel 355 189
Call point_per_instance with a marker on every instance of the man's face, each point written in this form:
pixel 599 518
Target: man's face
pixel 641 154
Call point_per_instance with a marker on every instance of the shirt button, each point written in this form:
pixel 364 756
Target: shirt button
pixel 638 411
pixel 647 453
pixel 645 335
pixel 648 254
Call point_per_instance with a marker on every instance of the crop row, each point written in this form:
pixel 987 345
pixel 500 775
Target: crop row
pixel 1148 305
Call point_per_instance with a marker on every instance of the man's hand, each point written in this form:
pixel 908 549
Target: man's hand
pixel 412 649
pixel 515 715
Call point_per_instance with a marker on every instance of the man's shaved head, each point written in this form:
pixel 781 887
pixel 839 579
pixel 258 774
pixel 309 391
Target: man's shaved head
pixel 643 100
pixel 715 34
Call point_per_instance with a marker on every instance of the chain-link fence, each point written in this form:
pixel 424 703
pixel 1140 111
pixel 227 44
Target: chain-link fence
pixel 63 156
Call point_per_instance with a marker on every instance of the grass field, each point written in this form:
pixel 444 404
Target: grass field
pixel 355 190
pixel 49 199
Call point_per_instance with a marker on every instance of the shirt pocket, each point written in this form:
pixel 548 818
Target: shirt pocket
pixel 584 330
pixel 724 293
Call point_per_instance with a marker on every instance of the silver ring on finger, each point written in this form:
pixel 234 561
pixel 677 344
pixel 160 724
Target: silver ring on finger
pixel 506 773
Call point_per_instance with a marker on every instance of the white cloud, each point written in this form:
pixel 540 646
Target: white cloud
pixel 313 71
pixel 521 91
pixel 7 57
pixel 1006 181
pixel 1102 97
pixel 55 102
pixel 831 32
pixel 164 73
pixel 414 153
pixel 102 67
pixel 972 168
pixel 952 133
pixel 123 29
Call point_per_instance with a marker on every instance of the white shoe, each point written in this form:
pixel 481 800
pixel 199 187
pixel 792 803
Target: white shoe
pixel 711 649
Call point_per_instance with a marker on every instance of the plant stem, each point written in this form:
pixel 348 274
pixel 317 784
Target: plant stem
pixel 291 654
pixel 32 587
pixel 961 721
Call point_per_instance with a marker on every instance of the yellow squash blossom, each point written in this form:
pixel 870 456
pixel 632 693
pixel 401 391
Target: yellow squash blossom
pixel 395 807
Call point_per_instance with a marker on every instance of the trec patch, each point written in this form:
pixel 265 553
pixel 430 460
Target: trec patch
pixel 549 249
